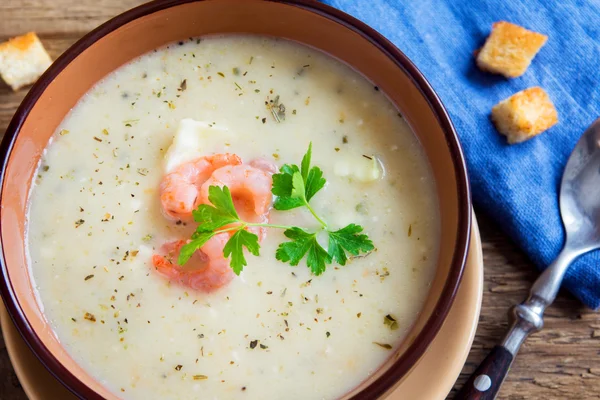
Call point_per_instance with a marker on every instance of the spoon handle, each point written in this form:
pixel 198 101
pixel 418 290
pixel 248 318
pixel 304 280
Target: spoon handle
pixel 527 317
pixel 485 382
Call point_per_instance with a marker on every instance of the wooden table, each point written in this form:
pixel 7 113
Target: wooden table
pixel 561 362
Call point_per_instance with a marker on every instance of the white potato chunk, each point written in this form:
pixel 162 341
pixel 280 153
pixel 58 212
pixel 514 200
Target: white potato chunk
pixel 189 141
pixel 359 167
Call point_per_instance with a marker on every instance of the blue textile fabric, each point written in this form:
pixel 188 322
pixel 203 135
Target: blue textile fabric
pixel 516 185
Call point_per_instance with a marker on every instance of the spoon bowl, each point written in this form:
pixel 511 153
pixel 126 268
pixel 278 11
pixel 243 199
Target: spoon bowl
pixel 580 193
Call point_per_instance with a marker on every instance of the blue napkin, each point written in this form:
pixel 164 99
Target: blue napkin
pixel 516 185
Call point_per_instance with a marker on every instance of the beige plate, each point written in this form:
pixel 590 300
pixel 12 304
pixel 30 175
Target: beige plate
pixel 446 355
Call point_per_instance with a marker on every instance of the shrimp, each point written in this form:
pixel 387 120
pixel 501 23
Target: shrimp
pixel 179 189
pixel 207 269
pixel 250 189
pixel 186 188
pixel 264 164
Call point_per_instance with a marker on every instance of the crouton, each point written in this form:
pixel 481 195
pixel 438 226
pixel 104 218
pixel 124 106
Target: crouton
pixel 509 49
pixel 524 115
pixel 22 60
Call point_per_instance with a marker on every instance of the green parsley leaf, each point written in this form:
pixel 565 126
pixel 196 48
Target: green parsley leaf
pixel 221 213
pixel 187 250
pixel 287 203
pixel 298 186
pixel 301 243
pixel 348 239
pixel 317 258
pixel 220 197
pixel 295 250
pixel 305 165
pixel 313 177
pixel 314 182
pixel 234 248
pixel 282 188
pixel 210 218
pixel 282 182
pixel 296 193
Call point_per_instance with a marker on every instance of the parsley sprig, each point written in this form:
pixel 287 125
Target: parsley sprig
pixel 293 187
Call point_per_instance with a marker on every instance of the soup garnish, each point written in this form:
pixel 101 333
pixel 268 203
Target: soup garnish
pixel 294 187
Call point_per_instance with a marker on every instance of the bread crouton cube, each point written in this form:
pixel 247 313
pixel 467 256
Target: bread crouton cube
pixel 509 49
pixel 22 60
pixel 524 115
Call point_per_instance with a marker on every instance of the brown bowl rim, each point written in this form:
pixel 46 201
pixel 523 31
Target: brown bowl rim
pixel 408 359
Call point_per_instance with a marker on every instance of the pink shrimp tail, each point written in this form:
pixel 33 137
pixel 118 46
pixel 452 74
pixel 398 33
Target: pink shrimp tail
pixel 264 164
pixel 207 269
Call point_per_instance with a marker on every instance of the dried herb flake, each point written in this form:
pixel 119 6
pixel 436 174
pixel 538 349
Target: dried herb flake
pixel 391 322
pixel 89 317
pixel 277 109
pixel 384 345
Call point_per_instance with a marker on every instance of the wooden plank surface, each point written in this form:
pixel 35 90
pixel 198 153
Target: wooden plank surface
pixel 561 362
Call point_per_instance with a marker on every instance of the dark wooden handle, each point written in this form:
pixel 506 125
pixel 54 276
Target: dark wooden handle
pixel 485 382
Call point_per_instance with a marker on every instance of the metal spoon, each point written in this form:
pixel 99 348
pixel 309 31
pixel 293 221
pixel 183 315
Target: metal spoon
pixel 580 211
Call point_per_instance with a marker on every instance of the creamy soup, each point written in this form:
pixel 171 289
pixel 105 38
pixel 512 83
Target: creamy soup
pixel 275 331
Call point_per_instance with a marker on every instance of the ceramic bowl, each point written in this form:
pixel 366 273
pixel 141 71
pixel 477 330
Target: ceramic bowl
pixel 155 24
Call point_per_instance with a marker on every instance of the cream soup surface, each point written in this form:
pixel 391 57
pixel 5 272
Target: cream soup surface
pixel 275 331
